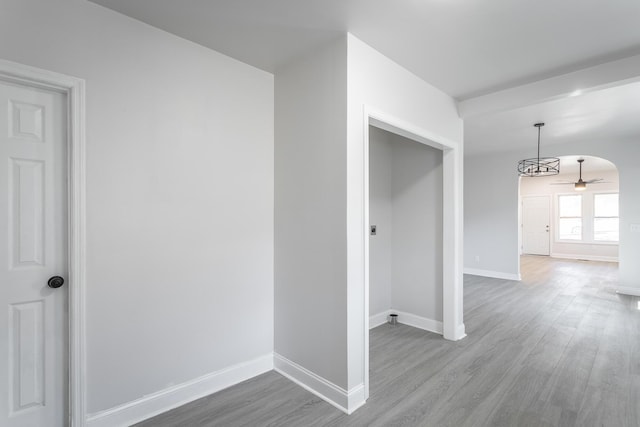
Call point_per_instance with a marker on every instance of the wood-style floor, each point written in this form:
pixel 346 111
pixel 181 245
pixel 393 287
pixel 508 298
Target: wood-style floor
pixel 559 348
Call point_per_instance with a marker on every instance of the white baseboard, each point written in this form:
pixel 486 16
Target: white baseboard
pixel 379 319
pixel 172 397
pixel 627 290
pixel 419 322
pixel 407 319
pixel 461 332
pixel 492 274
pixel 586 257
pixel 457 334
pixel 346 401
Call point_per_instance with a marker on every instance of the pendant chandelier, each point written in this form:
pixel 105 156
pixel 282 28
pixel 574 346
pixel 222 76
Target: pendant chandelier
pixel 539 166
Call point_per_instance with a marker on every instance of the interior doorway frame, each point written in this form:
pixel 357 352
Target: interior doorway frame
pixel 452 222
pixel 74 89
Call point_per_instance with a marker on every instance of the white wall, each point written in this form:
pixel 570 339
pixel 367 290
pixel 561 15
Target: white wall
pixel 490 213
pixel 538 186
pixel 179 195
pixel 491 217
pixel 319 204
pixel 376 82
pixel 380 214
pixel 310 245
pixel 417 229
pixel 405 203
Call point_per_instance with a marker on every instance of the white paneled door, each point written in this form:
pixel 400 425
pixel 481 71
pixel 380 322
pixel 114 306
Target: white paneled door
pixel 33 249
pixel 535 225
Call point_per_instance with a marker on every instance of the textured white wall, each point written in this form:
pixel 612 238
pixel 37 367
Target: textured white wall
pixel 310 193
pixel 179 195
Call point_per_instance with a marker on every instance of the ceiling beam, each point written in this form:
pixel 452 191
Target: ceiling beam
pixel 603 76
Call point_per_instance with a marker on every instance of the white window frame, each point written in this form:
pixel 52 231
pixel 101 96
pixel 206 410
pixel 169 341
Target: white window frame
pixel 593 228
pixel 588 218
pixel 558 218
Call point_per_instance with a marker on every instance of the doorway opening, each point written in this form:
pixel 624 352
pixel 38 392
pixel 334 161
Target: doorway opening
pixel 405 234
pixel 405 237
pixel 572 215
pixel 450 286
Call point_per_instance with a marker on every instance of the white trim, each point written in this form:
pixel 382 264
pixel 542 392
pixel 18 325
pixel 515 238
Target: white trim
pixel 346 401
pixel 585 257
pixel 492 274
pixel 178 395
pixel 461 331
pixel 587 242
pixel 628 290
pixel 400 127
pixel 74 89
pixel 408 319
pixel 355 398
pixel 419 322
pixel 588 217
pixel 366 252
pixel 452 224
pixel 379 319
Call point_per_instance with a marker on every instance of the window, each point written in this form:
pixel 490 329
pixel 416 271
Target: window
pixel 588 218
pixel 605 217
pixel 570 218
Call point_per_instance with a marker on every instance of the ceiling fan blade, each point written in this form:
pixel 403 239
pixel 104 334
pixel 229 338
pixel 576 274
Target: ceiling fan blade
pixel 592 181
pixel 562 183
pixel 599 182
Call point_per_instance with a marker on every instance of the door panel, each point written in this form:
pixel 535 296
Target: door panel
pixel 26 213
pixel 535 225
pixel 26 356
pixel 33 247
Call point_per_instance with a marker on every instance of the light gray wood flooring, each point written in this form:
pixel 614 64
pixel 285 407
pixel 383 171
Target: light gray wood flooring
pixel 559 348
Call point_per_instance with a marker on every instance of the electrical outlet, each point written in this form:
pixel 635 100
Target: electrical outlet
pixel 477 259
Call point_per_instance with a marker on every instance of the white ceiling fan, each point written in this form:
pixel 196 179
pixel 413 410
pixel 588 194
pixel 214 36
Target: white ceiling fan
pixel 580 184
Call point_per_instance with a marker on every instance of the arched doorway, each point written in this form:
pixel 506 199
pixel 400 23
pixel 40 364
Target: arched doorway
pixel 563 217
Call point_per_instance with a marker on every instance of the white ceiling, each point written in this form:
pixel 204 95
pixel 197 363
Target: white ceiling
pixel 463 47
pixel 590 167
pixel 602 116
